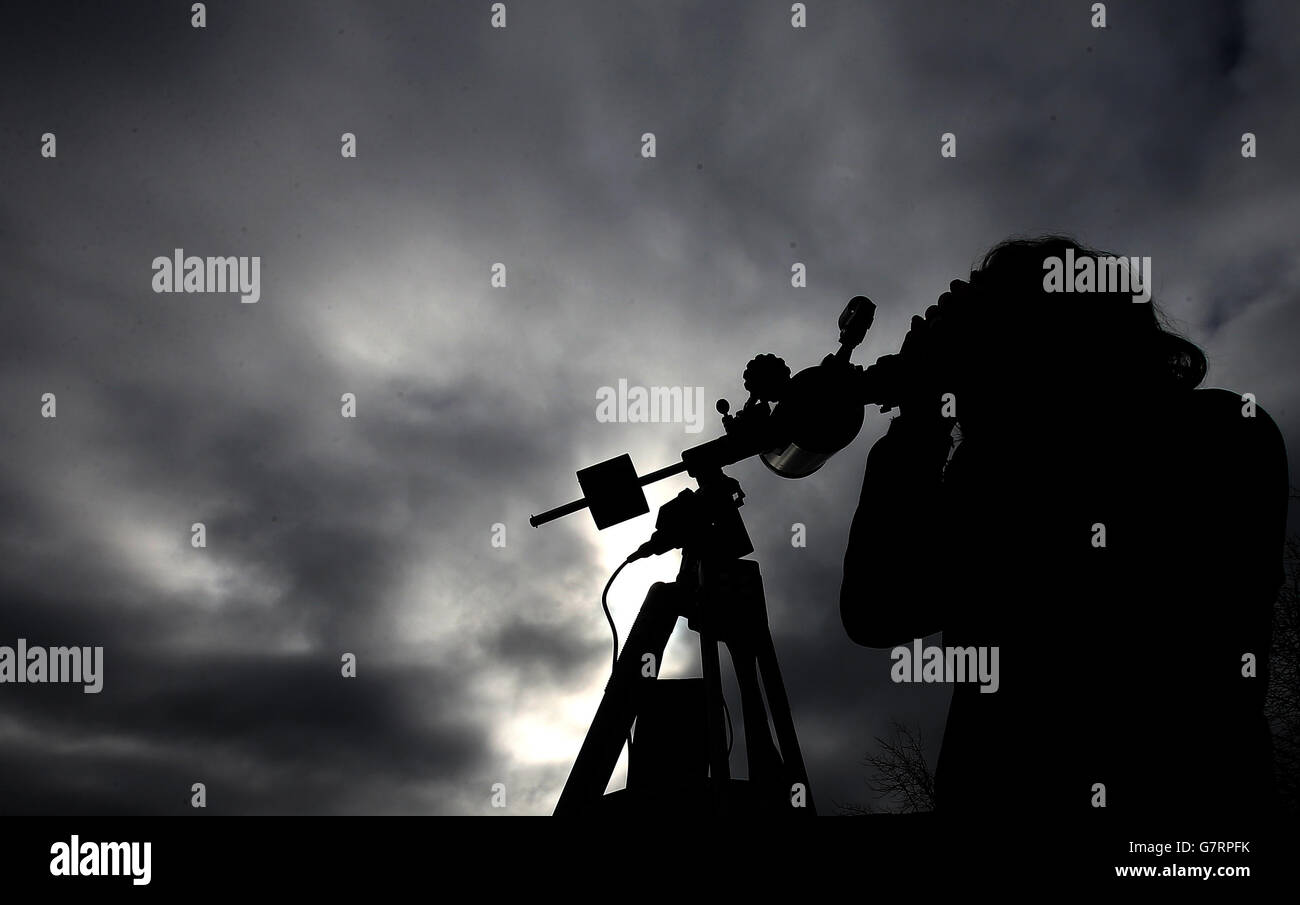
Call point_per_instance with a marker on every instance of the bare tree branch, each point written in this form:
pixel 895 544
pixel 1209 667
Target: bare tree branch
pixel 902 781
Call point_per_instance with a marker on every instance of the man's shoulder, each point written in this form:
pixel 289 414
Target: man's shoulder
pixel 1235 422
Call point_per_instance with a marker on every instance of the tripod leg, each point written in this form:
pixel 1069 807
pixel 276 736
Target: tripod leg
pixel 719 761
pixel 600 749
pixel 753 651
pixel 783 720
pixel 765 767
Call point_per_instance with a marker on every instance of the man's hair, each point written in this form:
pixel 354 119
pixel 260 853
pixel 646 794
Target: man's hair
pixel 1133 336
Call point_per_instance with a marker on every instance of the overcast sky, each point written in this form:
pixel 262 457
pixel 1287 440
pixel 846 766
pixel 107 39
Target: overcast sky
pixel 475 405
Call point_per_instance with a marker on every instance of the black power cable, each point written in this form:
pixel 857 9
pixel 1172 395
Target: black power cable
pixel 613 630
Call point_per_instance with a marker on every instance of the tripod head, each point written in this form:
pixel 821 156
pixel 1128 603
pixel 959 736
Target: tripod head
pixel 706 521
pixel 794 424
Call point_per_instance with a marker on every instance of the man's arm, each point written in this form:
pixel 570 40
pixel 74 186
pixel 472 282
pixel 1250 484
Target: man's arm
pixel 890 593
pixel 1238 547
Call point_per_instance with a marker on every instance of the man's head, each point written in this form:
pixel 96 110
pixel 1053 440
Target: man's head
pixel 1018 342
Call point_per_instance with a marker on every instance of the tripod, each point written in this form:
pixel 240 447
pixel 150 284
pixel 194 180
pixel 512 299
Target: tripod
pixel 679 757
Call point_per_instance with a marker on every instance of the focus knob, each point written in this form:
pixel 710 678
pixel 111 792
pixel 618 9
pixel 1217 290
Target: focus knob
pixel 766 378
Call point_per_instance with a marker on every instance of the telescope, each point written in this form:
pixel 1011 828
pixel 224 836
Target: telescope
pixel 679 756
pixel 793 424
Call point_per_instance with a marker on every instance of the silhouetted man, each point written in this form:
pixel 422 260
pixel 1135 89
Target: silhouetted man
pixel 1116 533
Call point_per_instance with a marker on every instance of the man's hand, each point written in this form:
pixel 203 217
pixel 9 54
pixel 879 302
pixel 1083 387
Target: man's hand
pixel 926 366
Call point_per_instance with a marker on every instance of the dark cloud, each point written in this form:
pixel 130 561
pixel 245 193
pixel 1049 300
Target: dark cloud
pixel 482 664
